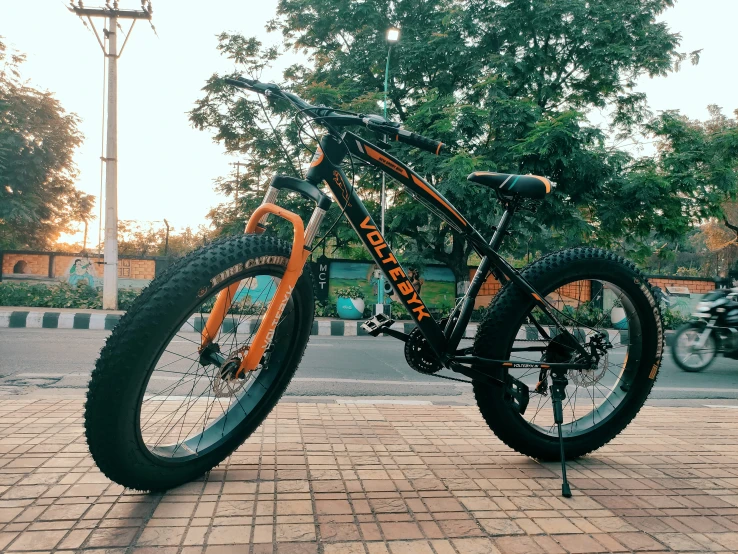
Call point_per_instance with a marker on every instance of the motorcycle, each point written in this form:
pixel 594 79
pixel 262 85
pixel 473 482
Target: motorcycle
pixel 712 331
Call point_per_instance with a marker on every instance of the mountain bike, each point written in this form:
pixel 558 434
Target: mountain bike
pixel 207 350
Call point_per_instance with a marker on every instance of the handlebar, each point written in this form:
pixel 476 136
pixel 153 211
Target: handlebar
pixel 424 143
pixel 322 113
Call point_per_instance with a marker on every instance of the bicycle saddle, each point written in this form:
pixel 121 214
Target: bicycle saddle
pixel 527 186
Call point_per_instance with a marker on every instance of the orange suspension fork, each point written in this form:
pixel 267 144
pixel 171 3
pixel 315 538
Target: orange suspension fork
pixel 218 313
pixel 297 260
pixel 269 322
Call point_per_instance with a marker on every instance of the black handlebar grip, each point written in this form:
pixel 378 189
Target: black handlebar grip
pixel 240 82
pixel 419 141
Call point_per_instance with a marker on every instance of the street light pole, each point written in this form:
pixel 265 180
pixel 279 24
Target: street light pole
pixel 393 35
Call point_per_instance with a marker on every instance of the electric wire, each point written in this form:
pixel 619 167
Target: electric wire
pixel 279 138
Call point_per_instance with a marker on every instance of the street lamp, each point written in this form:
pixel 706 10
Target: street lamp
pixel 393 35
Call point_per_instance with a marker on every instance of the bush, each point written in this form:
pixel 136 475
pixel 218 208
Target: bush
pixel 60 295
pixel 350 292
pixel 673 319
pixel 126 298
pixel 327 309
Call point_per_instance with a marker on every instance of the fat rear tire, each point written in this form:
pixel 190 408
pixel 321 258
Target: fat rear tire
pixel 507 311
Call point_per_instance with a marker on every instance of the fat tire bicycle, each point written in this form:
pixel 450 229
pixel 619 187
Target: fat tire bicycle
pixel 207 350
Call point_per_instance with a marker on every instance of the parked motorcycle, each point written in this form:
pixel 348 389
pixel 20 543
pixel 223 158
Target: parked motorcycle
pixel 714 330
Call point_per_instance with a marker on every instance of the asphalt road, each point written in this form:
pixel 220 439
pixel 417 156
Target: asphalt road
pixel 59 362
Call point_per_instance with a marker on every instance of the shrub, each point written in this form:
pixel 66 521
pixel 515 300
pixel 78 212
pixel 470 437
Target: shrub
pixel 327 309
pixel 350 292
pixel 60 295
pixel 673 319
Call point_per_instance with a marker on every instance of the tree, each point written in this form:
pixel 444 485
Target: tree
pixel 38 199
pixel 145 239
pixel 696 162
pixel 507 84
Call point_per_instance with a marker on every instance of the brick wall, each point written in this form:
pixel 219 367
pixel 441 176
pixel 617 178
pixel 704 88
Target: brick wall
pixel 136 269
pixel 37 264
pixel 583 290
pixel 694 286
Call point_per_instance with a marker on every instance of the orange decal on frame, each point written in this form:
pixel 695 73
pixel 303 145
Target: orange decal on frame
pixel 317 158
pixel 385 161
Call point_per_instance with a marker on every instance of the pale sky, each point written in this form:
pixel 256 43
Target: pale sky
pixel 166 168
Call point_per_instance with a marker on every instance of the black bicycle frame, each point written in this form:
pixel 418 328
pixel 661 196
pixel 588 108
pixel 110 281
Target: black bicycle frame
pixel 326 167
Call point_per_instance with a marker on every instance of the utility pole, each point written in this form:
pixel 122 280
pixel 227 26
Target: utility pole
pixel 166 240
pixel 112 14
pixel 238 183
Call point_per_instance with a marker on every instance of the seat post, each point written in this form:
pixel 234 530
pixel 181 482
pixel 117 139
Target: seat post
pixel 503 225
pixel 462 313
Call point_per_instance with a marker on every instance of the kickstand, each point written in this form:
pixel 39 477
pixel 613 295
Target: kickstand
pixel 558 393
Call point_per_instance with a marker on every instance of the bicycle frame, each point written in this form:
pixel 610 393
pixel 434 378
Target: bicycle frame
pixel 444 342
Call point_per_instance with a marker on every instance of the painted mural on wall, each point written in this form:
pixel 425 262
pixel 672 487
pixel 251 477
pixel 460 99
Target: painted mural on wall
pixel 81 270
pixel 256 290
pixel 438 283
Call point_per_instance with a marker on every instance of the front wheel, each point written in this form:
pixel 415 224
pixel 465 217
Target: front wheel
pixel 688 350
pixel 607 306
pixel 160 410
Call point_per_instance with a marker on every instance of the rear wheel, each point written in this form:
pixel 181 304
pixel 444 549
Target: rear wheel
pixel 608 308
pixel 158 412
pixel 686 352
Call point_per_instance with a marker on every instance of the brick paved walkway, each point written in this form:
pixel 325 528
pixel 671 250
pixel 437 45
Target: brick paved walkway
pixel 338 479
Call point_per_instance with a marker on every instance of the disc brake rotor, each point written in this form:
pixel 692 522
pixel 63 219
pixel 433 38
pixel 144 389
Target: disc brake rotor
pixel 590 377
pixel 225 384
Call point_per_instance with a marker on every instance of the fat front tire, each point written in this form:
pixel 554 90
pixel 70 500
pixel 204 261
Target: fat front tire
pixel 123 388
pixel 506 324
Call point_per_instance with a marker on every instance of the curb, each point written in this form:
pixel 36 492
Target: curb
pixel 26 319
pixel 58 320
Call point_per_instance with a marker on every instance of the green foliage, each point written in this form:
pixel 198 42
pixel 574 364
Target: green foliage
pixel 479 313
pixel 588 314
pixel 38 200
pixel 146 240
pixel 126 298
pixel 398 311
pixel 673 319
pixel 325 309
pixel 350 292
pixel 60 295
pixel 508 85
pixel 688 271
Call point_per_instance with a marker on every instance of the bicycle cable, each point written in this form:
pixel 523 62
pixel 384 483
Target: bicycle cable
pixel 334 133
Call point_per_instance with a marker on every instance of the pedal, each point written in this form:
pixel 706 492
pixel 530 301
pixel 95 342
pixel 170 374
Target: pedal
pixel 519 393
pixel 377 324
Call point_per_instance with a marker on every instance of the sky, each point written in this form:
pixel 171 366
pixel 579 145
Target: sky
pixel 166 167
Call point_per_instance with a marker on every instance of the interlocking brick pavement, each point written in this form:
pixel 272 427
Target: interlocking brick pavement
pixel 378 479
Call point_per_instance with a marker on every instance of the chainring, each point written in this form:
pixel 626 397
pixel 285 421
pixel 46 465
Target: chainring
pixel 419 354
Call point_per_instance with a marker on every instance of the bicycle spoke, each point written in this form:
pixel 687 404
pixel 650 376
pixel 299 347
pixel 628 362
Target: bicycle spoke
pixel 198 406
